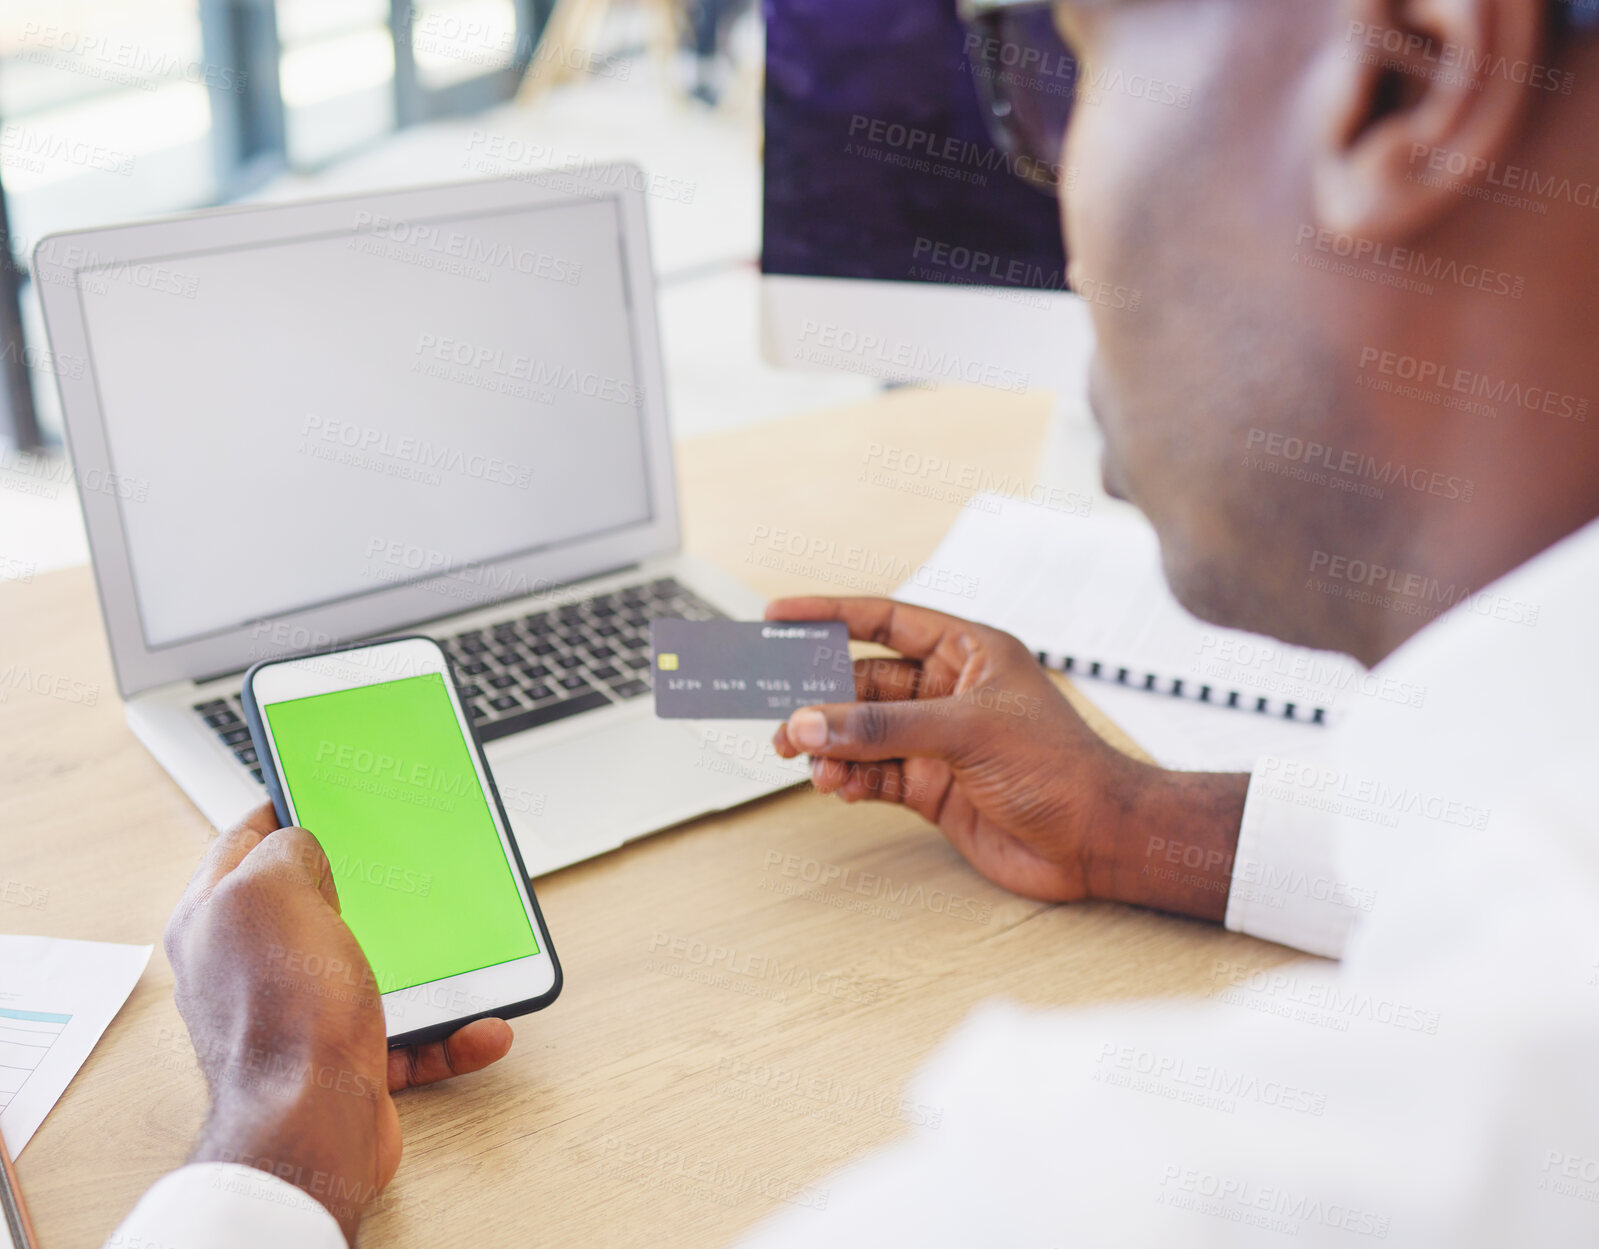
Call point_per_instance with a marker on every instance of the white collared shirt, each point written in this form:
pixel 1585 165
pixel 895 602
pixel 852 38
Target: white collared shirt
pixel 1440 1087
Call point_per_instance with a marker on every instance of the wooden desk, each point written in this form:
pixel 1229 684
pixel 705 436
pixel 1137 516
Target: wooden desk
pixel 643 1108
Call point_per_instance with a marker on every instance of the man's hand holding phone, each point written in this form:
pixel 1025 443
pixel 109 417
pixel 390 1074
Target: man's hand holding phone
pixel 966 728
pixel 371 748
pixel 287 1022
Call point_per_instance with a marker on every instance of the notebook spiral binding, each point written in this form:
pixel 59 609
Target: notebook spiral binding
pixel 1237 700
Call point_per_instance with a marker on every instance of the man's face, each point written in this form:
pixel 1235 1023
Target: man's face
pixel 1190 156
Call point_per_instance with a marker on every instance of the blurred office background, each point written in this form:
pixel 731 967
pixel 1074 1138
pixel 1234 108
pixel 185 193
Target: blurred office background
pixel 116 109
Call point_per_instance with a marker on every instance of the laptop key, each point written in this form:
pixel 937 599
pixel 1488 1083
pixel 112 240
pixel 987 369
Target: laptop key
pixel 221 719
pixel 636 662
pixel 506 702
pixel 234 736
pixel 536 672
pixel 502 682
pixel 539 692
pixel 574 683
pixel 558 710
pixel 568 662
pixel 475 669
pixel 246 755
pixel 256 772
pixel 632 689
pixel 606 673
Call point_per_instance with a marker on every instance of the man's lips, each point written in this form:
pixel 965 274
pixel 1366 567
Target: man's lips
pixel 1109 478
pixel 1095 400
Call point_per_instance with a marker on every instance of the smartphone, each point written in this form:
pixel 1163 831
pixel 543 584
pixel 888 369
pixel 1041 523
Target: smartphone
pixel 370 749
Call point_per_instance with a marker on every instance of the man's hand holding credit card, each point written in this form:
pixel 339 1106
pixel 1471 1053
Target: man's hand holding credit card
pixel 748 670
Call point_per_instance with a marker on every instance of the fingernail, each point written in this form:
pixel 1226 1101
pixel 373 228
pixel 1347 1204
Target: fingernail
pixel 807 728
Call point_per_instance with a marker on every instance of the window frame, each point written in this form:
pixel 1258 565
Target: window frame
pixel 249 139
pixel 415 103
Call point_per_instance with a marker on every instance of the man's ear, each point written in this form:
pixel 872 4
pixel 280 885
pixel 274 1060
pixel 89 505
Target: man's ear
pixel 1426 95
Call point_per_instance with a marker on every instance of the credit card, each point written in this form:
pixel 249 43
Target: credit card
pixel 747 670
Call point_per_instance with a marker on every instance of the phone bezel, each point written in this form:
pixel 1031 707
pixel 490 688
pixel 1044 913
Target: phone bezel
pixel 267 760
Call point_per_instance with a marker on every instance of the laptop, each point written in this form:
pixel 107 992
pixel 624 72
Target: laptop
pixel 436 410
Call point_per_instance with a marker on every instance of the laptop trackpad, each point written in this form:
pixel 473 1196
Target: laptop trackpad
pixel 580 795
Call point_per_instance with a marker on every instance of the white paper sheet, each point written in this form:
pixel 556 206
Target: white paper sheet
pixel 56 999
pixel 1092 587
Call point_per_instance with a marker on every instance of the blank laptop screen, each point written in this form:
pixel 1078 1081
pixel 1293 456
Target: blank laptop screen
pixel 307 420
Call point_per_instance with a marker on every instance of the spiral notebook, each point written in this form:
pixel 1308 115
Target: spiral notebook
pixel 1088 596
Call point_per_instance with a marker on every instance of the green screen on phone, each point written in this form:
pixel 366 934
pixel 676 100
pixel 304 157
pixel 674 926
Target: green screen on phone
pixel 382 775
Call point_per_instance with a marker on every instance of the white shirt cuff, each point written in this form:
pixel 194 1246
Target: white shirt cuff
pixel 1287 881
pixel 214 1204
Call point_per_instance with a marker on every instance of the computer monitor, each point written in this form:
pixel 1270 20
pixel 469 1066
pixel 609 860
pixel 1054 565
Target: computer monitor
pixel 898 240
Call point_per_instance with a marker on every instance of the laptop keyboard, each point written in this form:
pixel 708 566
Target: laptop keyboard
pixel 532 670
pixel 225 717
